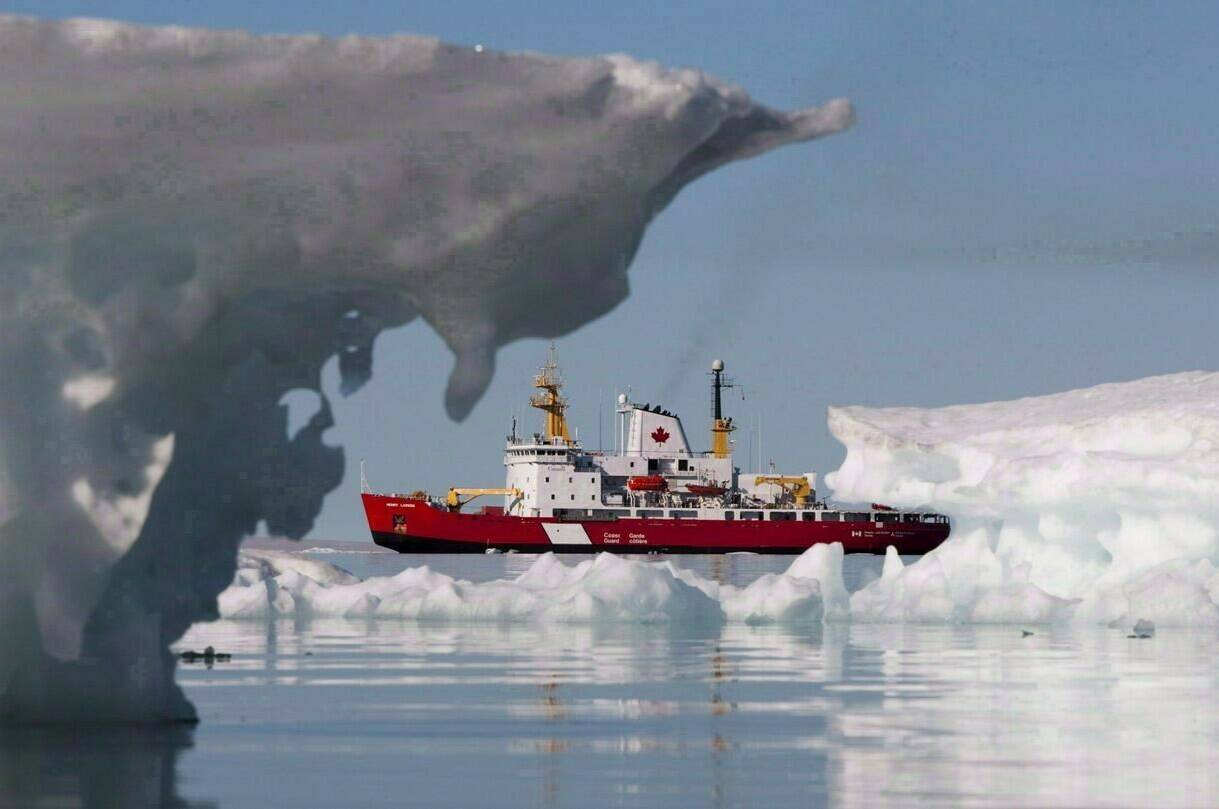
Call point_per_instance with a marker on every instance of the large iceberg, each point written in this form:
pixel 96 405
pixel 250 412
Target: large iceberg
pixel 192 222
pixel 1099 504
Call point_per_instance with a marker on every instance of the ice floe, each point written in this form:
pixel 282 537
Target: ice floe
pixel 603 589
pixel 606 588
pixel 1094 505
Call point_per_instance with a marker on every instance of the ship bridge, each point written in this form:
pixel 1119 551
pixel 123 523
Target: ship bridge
pixel 652 463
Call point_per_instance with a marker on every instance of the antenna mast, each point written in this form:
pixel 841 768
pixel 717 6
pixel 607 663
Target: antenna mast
pixel 720 427
pixel 549 400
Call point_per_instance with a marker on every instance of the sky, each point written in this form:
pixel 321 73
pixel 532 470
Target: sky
pixel 1026 205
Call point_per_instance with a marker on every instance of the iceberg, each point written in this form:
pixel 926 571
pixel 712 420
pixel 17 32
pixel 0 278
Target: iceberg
pixel 1097 505
pixel 196 221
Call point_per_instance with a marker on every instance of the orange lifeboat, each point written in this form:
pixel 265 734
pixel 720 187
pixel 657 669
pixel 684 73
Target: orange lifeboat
pixel 647 483
pixel 705 489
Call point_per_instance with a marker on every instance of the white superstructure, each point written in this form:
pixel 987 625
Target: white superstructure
pixel 550 474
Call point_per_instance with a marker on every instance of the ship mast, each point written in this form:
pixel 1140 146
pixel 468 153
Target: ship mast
pixel 548 399
pixel 720 426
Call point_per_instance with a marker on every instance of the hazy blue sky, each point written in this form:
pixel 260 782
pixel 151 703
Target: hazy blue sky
pixel 1027 204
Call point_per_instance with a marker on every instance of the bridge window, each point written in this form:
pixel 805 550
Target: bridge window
pixel 729 516
pixel 781 515
pixel 808 516
pixel 856 516
pixel 644 512
pixel 830 516
pixel 887 517
pixel 683 465
pixel 751 515
pixel 679 514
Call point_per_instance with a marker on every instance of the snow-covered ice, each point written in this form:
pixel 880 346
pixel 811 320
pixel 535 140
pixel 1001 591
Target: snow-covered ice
pixel 1099 505
pixel 606 588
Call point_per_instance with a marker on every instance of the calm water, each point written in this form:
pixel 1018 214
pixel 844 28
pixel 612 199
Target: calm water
pixel 343 713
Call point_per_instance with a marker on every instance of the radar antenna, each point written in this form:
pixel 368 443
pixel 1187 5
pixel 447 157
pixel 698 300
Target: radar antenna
pixel 721 427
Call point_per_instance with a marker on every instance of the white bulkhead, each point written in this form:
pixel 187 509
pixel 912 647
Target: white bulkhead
pixel 554 473
pixel 652 465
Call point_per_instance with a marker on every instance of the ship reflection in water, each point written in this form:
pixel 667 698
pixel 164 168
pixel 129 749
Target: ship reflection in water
pixel 382 713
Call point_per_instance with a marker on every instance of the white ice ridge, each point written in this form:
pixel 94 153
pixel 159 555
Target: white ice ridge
pixel 607 588
pixel 1098 505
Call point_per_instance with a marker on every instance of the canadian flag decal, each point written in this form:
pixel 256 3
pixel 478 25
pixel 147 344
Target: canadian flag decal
pixel 660 435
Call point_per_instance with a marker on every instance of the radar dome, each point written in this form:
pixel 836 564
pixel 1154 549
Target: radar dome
pixel 717 365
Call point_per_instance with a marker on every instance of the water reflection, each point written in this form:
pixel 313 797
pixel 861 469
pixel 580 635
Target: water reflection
pixel 382 713
pixel 94 768
pixel 857 715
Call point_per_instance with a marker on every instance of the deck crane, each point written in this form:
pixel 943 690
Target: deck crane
pixel 795 485
pixel 455 502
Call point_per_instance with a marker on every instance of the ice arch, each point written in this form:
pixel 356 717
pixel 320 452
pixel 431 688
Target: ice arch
pixel 193 221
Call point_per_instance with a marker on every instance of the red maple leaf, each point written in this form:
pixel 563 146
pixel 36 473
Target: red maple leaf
pixel 660 435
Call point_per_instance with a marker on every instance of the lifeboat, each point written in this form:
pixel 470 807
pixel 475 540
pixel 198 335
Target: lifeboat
pixel 705 489
pixel 647 483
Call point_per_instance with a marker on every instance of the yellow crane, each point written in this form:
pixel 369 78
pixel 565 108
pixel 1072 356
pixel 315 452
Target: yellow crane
pixel 456 492
pixel 796 485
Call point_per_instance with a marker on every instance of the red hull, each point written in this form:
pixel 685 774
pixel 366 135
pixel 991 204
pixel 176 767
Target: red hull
pixel 417 526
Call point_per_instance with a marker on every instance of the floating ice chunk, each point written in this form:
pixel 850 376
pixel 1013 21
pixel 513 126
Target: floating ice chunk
pixel 893 564
pixel 260 599
pixel 604 589
pixel 278 562
pixel 917 593
pixel 615 589
pixel 775 598
pixel 548 572
pixel 1098 505
pixel 712 589
pixel 824 563
pixel 809 591
pixel 1144 629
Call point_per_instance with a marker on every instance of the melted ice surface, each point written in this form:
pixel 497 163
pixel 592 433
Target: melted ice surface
pixel 1099 504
